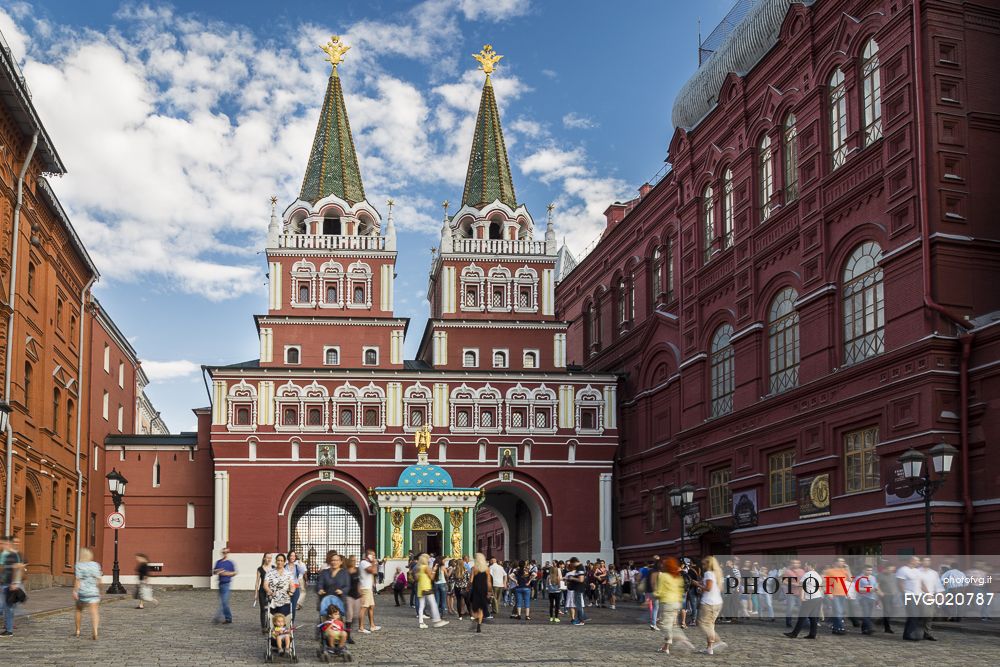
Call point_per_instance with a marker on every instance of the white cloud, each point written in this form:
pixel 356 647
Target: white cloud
pixel 494 10
pixel 161 371
pixel 575 121
pixel 529 128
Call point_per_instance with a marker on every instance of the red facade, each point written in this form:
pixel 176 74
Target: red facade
pixel 805 300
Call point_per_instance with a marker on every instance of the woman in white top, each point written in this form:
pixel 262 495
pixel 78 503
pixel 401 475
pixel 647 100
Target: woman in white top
pixel 711 602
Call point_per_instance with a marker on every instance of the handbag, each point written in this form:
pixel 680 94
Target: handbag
pixel 16 596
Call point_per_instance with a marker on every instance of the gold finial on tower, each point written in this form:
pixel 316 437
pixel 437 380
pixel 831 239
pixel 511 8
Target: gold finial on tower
pixel 335 50
pixel 488 58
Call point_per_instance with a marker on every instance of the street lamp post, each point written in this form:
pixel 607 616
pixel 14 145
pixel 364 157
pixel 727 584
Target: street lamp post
pixel 919 476
pixel 116 484
pixel 681 499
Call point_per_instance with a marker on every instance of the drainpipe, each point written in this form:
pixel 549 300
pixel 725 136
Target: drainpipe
pixel 929 302
pixel 10 329
pixel 79 414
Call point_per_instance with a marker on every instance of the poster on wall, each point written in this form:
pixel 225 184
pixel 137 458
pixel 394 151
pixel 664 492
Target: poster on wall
pixel 745 508
pixel 898 490
pixel 814 496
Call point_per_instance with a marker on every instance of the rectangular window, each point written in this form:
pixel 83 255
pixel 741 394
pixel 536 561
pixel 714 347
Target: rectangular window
pixel 121 418
pixel 190 515
pixel 860 460
pixel 93 529
pixel 121 374
pixel 104 406
pixel 720 497
pixel 107 358
pixel 781 479
pixel 156 473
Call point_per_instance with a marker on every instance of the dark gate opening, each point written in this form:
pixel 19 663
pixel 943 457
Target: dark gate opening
pixel 324 522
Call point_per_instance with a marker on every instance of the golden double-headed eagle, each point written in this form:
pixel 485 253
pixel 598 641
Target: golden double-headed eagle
pixel 488 58
pixel 335 50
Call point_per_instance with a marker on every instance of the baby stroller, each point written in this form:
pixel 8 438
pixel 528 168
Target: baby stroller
pixel 326 653
pixel 271 651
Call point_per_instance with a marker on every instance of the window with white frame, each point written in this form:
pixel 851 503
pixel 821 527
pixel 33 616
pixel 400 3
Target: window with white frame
pixel 242 407
pixel 728 208
pixel 872 90
pixel 783 341
pixel 531 359
pixel 722 371
pixel 121 374
pixel 543 410
pixel 765 177
pixel 104 405
pixel 518 404
pixel 314 401
pixel 292 354
pixel 656 277
pixel 370 356
pixel 331 285
pixel 107 358
pixel 121 417
pixel 500 358
pixel 303 279
pixel 345 406
pixel 708 221
pixel 526 290
pixel 472 281
pixel 416 407
pixel 498 284
pixel 589 411
pixel 359 284
pixel 462 404
pixel 488 405
pixel 864 304
pixel 470 358
pixel 791 154
pixel 331 356
pixel 371 406
pixel 288 404
pixel 838 118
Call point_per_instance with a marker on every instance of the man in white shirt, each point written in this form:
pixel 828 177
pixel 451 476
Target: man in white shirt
pixel 932 584
pixel 367 570
pixel 911 582
pixel 954 581
pixel 811 594
pixel 498 579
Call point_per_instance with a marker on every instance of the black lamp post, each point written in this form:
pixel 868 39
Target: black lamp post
pixel 919 476
pixel 116 483
pixel 681 499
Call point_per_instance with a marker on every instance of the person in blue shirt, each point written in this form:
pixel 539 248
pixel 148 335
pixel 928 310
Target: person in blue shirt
pixel 868 594
pixel 225 569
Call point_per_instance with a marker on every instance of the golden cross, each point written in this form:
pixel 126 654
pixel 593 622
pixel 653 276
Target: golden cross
pixel 335 50
pixel 488 58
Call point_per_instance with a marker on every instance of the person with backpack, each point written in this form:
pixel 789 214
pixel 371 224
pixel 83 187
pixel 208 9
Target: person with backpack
pixel 460 586
pixel 399 585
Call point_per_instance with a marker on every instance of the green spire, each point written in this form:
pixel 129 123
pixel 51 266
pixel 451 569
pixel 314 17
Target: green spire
pixel 488 177
pixel 333 164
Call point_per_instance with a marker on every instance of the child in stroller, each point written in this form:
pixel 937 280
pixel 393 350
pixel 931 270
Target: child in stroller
pixel 331 631
pixel 280 638
pixel 282 634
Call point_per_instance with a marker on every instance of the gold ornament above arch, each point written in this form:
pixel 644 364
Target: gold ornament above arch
pixel 427 522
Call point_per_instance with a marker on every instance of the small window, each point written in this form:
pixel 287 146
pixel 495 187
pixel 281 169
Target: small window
pixel 781 479
pixel 55 496
pixel 463 418
pixel 517 418
pixel 31 279
pixel 469 359
pixel 346 417
pixel 486 419
pixel 371 357
pixel 290 416
pixel 27 387
pixel 56 407
pixel 59 313
pixel 69 419
pixel 499 359
pixel 190 515
pixel 104 406
pixel 69 502
pixel 107 358
pixel 541 420
pixel 292 355
pixel 371 417
pixel 588 418
pixel 72 325
pixel 720 497
pixel 121 374
pixel 156 473
pixel 332 356
pixel 524 297
pixel 303 292
pixel 315 416
pixel 416 417
pixel 359 294
pixel 331 294
pixel 121 417
pixel 531 359
pixel 243 415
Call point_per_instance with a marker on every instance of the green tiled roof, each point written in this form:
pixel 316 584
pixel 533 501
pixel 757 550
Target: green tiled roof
pixel 488 177
pixel 333 164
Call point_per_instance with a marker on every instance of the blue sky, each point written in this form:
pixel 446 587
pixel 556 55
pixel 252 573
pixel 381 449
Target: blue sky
pixel 178 121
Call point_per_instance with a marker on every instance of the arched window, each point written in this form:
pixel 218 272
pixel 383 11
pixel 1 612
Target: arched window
pixel 31 279
pixel 499 359
pixel 708 220
pixel 531 359
pixel 656 277
pixel 790 149
pixel 496 230
pixel 290 416
pixel 727 208
pixel 331 292
pixel 241 415
pixel 765 177
pixel 292 355
pixel 722 371
pixel 69 419
pixel 631 297
pixel 59 313
pixel 469 359
pixel 359 294
pixel 872 90
pixel 670 269
pixel 864 304
pixel 27 385
pixel 314 416
pixel 347 417
pixel 621 298
pixel 332 357
pixel 838 118
pixel 783 341
pixel 371 357
pixel 595 329
pixel 303 292
pixel 56 407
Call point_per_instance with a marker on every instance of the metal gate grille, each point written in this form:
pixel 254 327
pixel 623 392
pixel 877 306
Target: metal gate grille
pixel 322 526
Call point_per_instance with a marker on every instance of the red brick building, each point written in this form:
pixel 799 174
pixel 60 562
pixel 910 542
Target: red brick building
pixel 800 299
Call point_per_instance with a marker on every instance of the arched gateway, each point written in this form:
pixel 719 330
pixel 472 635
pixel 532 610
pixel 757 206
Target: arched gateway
pixel 325 520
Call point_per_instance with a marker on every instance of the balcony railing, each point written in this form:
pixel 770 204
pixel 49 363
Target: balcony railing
pixel 499 246
pixel 330 242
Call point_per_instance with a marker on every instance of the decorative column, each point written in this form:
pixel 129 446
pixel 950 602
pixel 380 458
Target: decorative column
pixel 446 534
pixel 407 537
pixel 468 527
pixel 219 517
pixel 385 532
pixel 607 547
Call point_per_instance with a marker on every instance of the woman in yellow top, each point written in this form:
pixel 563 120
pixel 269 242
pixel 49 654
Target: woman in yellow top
pixel 425 593
pixel 668 587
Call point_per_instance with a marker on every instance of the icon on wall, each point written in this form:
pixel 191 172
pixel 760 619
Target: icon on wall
pixel 508 457
pixel 506 476
pixel 326 475
pixel 326 455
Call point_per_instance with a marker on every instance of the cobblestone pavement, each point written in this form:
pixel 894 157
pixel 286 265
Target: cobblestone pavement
pixel 180 632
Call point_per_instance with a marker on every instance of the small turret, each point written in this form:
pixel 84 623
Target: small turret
pixel 273 227
pixel 550 232
pixel 390 229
